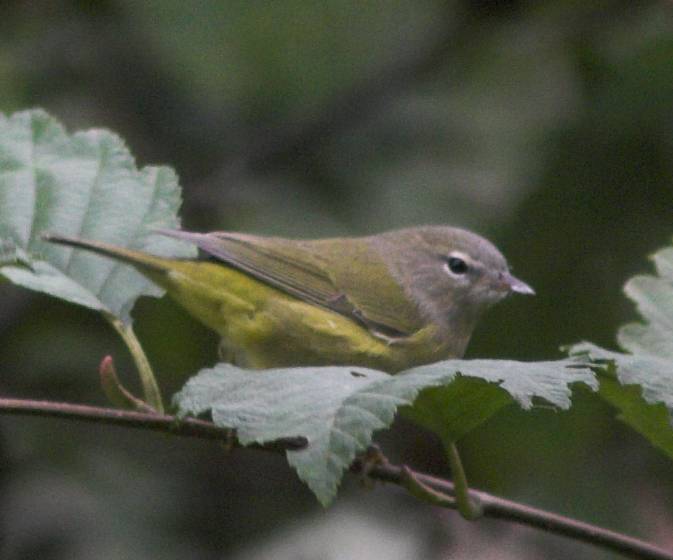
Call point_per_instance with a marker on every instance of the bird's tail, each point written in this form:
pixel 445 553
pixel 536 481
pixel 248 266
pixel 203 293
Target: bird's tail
pixel 139 259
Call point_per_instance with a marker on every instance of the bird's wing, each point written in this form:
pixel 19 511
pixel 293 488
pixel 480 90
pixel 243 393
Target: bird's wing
pixel 336 274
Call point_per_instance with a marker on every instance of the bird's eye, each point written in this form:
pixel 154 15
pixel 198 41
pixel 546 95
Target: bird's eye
pixel 457 265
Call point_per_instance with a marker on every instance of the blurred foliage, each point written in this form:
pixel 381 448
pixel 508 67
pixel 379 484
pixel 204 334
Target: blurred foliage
pixel 547 126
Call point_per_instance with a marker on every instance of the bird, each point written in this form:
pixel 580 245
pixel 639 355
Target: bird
pixel 389 301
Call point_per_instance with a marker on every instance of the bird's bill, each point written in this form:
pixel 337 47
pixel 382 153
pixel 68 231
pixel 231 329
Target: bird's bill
pixel 517 286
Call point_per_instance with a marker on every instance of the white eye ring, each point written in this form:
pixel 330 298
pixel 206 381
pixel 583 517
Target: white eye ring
pixel 456 265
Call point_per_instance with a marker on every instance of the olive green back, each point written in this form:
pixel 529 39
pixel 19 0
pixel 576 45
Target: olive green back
pixel 345 275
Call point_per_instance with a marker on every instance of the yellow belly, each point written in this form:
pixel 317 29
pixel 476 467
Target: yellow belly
pixel 262 327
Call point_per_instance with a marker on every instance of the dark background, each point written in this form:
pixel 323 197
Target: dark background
pixel 546 126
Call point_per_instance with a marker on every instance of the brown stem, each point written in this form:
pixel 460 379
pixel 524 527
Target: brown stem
pixel 500 508
pixel 188 427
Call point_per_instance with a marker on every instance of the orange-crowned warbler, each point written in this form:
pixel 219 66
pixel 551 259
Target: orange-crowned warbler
pixel 387 301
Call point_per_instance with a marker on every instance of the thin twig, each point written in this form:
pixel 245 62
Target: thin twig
pixel 116 393
pixel 500 508
pixel 493 506
pixel 423 492
pixel 188 427
pixel 148 380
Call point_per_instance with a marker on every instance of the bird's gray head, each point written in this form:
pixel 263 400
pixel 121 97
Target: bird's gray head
pixel 453 274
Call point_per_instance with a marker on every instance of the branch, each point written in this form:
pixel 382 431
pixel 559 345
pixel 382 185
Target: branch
pixel 187 427
pixel 498 508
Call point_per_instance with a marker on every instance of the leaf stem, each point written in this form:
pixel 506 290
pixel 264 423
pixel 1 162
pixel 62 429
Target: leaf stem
pixel 468 504
pixel 424 492
pixel 148 380
pixel 115 392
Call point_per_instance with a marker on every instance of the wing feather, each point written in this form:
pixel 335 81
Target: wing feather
pixel 328 273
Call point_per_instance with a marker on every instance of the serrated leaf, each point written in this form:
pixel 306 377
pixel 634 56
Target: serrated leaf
pixel 84 185
pixel 486 386
pixel 338 408
pixel 649 420
pixel 645 374
pixel 451 411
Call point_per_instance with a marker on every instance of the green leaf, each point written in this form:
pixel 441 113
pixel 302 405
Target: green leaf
pixel 84 185
pixel 338 408
pixel 485 386
pixel 649 420
pixel 640 383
